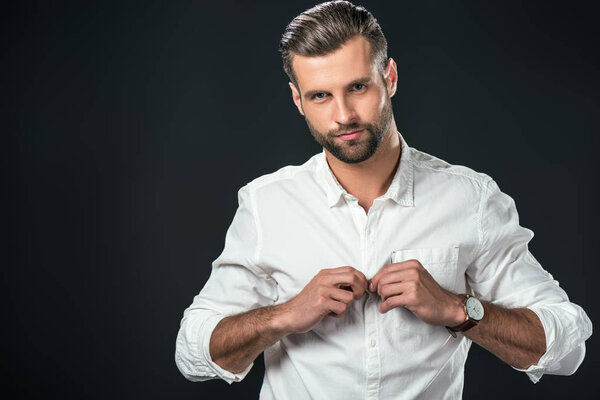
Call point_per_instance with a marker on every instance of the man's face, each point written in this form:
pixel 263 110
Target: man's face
pixel 343 92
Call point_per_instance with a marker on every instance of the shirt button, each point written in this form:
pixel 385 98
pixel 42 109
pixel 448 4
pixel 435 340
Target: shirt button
pixel 372 342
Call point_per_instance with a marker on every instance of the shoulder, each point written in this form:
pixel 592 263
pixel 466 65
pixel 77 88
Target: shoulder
pixel 287 179
pixel 429 167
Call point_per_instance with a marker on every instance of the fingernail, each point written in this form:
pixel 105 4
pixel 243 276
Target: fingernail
pixel 371 286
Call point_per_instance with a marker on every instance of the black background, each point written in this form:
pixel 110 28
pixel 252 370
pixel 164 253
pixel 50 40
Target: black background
pixel 128 128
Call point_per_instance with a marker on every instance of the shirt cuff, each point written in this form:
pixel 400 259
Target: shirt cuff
pixel 207 330
pixel 534 372
pixel 564 344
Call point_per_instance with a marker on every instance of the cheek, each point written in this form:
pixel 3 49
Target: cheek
pixel 317 118
pixel 382 98
pixel 372 106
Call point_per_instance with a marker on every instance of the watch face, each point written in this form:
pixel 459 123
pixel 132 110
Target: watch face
pixel 474 308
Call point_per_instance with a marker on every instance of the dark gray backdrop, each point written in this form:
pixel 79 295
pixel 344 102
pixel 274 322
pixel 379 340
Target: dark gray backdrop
pixel 128 128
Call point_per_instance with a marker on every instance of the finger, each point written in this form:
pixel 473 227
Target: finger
pixel 334 315
pixel 407 264
pixel 398 276
pixel 374 282
pixel 386 269
pixel 405 270
pixel 342 295
pixel 394 289
pixel 359 283
pixel 330 272
pixel 407 276
pixel 353 280
pixel 337 307
pixel 393 302
pixel 343 268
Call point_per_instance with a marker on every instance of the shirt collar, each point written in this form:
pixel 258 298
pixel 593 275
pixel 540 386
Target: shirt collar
pixel 400 190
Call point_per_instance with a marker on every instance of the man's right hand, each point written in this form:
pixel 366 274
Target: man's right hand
pixel 330 292
pixel 238 339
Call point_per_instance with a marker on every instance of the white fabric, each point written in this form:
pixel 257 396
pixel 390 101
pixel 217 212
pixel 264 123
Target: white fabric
pixel 298 220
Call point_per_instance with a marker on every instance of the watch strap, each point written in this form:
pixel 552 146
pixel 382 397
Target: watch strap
pixel 465 325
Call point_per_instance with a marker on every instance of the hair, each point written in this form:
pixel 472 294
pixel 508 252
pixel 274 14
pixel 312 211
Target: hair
pixel 325 28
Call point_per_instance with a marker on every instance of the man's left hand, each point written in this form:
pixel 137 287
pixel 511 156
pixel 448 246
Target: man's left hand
pixel 408 284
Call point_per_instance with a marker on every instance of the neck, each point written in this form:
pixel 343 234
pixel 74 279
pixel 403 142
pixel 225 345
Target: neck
pixel 371 178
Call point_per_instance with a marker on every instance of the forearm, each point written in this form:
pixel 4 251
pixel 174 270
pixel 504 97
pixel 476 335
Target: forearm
pixel 516 336
pixel 237 340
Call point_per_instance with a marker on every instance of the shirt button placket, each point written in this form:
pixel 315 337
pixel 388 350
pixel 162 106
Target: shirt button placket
pixel 372 350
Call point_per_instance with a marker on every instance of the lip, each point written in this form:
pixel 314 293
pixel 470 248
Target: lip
pixel 351 135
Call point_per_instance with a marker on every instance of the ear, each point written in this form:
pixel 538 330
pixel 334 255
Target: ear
pixel 296 97
pixel 391 77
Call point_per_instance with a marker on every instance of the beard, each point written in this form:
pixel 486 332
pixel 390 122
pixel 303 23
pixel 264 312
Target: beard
pixel 356 150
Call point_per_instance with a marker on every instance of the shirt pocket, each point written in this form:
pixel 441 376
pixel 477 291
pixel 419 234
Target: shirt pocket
pixel 441 263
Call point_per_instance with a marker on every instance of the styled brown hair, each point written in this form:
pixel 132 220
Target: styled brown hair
pixel 325 28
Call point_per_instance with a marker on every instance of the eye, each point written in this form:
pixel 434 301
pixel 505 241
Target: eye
pixel 359 86
pixel 319 96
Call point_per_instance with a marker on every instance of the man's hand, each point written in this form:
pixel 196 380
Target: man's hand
pixel 408 284
pixel 238 339
pixel 330 292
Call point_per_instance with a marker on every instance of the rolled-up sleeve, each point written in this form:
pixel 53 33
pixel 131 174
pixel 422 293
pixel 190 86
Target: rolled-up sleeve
pixel 236 284
pixel 505 273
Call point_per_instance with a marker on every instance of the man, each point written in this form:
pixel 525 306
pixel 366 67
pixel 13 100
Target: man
pixel 368 271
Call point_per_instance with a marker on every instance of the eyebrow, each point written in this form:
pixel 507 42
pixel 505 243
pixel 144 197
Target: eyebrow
pixel 364 79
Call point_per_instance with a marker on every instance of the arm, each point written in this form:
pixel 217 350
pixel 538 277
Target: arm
pixel 530 322
pixel 236 284
pixel 505 273
pixel 238 340
pixel 234 318
pixel 516 336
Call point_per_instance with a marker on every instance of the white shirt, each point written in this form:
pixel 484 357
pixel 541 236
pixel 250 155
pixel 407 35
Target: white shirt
pixel 298 220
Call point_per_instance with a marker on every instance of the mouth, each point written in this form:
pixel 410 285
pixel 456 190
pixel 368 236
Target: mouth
pixel 351 135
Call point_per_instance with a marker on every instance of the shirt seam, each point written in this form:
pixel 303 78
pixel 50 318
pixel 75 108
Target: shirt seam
pixel 480 182
pixel 259 239
pixel 484 191
pixel 482 200
pixel 257 225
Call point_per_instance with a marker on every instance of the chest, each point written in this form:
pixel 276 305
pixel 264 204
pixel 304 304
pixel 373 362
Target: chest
pixel 300 242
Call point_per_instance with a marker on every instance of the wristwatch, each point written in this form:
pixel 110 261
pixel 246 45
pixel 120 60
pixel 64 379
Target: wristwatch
pixel 473 310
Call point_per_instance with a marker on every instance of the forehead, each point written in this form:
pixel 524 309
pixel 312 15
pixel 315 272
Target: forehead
pixel 351 61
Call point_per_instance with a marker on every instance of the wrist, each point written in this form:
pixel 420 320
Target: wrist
pixel 280 324
pixel 458 312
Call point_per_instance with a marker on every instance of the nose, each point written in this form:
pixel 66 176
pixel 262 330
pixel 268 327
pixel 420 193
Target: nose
pixel 344 112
